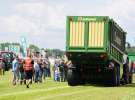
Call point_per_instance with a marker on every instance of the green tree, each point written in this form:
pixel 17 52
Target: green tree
pixel 34 48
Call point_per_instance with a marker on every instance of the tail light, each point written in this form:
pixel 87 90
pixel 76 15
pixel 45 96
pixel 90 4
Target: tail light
pixel 103 56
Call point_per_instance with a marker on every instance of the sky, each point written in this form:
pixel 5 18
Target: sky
pixel 43 22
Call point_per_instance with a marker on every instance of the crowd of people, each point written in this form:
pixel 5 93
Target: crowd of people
pixel 36 69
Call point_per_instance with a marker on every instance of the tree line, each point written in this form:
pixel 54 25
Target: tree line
pixel 51 51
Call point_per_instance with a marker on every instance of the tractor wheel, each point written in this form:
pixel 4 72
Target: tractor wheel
pixel 118 75
pixel 72 78
pixel 115 77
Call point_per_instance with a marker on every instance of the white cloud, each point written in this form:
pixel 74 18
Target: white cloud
pixel 42 13
pixel 49 21
pixel 17 25
pixel 33 16
pixel 123 11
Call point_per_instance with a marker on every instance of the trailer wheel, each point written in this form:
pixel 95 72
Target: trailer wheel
pixel 114 76
pixel 118 75
pixel 72 78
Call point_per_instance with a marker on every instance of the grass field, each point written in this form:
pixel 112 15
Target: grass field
pixel 51 90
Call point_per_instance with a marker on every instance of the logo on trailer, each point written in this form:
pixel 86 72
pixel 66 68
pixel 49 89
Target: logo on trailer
pixel 86 19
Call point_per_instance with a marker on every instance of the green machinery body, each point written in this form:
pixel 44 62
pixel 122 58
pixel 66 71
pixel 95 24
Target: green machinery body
pixel 99 36
pixel 131 56
pixel 92 42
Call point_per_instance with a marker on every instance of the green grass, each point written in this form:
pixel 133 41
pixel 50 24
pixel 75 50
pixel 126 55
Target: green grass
pixel 50 90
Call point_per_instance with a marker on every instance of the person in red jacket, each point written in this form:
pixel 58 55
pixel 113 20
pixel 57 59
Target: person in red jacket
pixel 28 69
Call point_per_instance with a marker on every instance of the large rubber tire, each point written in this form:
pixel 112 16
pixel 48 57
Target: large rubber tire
pixel 126 74
pixel 72 78
pixel 114 76
pixel 118 75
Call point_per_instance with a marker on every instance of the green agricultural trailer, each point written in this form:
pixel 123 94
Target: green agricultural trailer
pixel 95 45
